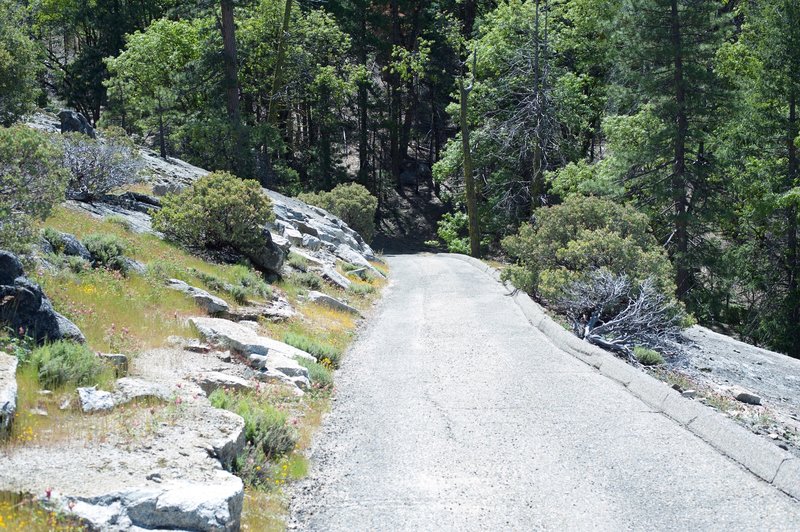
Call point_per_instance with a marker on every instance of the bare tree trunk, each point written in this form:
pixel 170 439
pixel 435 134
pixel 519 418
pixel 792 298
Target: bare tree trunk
pixel 679 170
pixel 363 102
pixel 469 178
pixel 791 230
pixel 281 54
pixel 229 58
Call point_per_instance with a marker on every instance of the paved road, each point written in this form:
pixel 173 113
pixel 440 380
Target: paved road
pixel 453 413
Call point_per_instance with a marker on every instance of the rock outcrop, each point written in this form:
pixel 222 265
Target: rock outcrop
pixel 8 392
pixel 212 304
pixel 274 361
pixel 75 122
pixel 331 302
pixel 216 506
pixel 24 307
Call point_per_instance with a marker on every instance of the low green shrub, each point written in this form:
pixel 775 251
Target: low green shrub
pixel 76 264
pixel 54 238
pixel 326 354
pixel 319 375
pixel 360 289
pixel 219 211
pixel 31 182
pixel 264 425
pixel 251 281
pixel 568 242
pixel 307 279
pixel 107 250
pixel 62 363
pixel 647 357
pixel 352 203
pixel 297 261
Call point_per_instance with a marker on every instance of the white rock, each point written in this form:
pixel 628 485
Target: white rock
pixel 212 304
pixel 214 506
pixel 8 392
pixel 212 380
pixel 94 400
pixel 279 363
pixel 242 339
pixel 330 274
pixel 331 302
pixel 348 254
pixel 311 242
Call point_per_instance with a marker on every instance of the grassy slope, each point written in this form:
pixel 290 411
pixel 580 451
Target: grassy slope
pixel 135 313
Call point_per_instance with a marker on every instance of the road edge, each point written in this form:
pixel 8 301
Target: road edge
pixel 762 458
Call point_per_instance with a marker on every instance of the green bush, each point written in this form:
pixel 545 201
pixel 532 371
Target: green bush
pixel 220 211
pixel 264 426
pixel 583 235
pixel 62 363
pixel 361 289
pixel 647 357
pixel 325 353
pixel 107 250
pixel 352 203
pixel 307 279
pixel 31 182
pixel 19 64
pixel 452 230
pixel 297 261
pixel 319 375
pixel 55 239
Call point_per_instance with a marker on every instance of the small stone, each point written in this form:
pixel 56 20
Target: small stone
pixel 45 392
pixel 689 393
pixel 38 412
pixel 745 396
pixel 677 387
pixel 773 436
pixel 118 361
pixel 198 348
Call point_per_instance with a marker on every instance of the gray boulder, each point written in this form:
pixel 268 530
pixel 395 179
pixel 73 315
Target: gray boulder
pixel 330 274
pixel 331 302
pixel 69 245
pixel 23 306
pixel 212 304
pixel 8 392
pixel 75 122
pixel 244 340
pixel 215 506
pixel 270 256
pixel 213 380
pixel 311 242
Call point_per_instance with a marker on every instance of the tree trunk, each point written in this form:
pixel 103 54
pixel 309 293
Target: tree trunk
pixel 793 296
pixel 229 58
pixel 395 102
pixel 679 170
pixel 281 53
pixel 469 178
pixel 363 101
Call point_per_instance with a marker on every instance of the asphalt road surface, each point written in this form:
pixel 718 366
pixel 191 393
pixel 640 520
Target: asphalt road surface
pixel 453 413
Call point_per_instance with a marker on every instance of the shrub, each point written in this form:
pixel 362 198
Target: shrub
pixel 583 235
pixel 264 426
pixel 55 239
pixel 647 357
pixel 352 203
pixel 220 211
pixel 62 363
pixel 308 280
pixel 325 353
pixel 246 283
pixel 107 250
pixel 361 289
pixel 98 166
pixel 608 310
pixel 31 182
pixel 319 375
pixel 452 230
pixel 298 262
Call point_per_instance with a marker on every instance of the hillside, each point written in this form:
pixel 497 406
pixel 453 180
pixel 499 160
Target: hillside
pixel 148 445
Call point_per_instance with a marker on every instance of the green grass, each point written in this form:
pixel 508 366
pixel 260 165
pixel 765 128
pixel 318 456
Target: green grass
pixel 67 363
pixel 307 279
pixel 320 349
pixel 319 374
pixel 648 357
pixel 297 261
